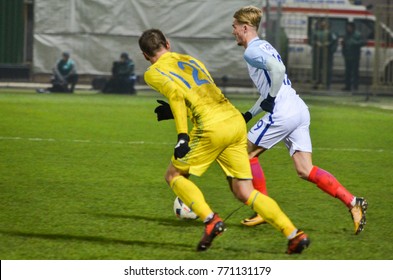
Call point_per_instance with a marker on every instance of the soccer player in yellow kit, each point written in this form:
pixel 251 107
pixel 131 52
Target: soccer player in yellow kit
pixel 219 134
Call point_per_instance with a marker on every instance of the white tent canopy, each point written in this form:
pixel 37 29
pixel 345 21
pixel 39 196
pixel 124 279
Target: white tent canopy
pixel 95 32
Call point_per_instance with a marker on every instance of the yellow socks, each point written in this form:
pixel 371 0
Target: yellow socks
pixel 262 204
pixel 271 212
pixel 191 195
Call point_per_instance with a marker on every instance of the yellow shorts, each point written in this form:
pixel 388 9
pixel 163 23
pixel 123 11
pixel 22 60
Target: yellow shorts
pixel 225 142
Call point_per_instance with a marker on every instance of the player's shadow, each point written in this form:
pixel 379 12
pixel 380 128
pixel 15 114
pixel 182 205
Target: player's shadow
pixel 169 245
pixel 96 239
pixel 174 222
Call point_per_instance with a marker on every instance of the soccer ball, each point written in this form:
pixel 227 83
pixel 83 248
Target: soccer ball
pixel 182 211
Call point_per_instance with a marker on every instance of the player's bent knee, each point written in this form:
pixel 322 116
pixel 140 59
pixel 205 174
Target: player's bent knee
pixel 170 175
pixel 173 172
pixel 242 189
pixel 241 197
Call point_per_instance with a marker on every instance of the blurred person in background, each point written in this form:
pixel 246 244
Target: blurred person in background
pixel 324 44
pixel 123 76
pixel 351 50
pixel 65 76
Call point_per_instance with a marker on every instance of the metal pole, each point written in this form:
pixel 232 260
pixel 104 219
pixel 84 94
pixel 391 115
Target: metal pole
pixel 277 31
pixel 267 25
pixel 368 54
pixel 377 50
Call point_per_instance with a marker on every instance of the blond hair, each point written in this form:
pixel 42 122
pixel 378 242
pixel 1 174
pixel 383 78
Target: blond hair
pixel 249 15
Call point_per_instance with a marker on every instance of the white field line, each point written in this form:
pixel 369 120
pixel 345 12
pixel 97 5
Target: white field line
pixel 35 139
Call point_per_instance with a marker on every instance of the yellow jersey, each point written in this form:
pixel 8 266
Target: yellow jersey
pixel 190 90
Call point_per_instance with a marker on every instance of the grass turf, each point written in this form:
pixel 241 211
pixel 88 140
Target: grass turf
pixel 81 177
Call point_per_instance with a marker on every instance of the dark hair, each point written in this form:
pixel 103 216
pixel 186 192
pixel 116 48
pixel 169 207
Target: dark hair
pixel 151 41
pixel 124 55
pixel 351 24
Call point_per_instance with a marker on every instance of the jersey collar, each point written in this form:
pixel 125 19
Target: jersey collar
pixel 252 41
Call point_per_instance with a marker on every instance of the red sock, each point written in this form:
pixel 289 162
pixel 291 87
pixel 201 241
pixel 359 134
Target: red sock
pixel 329 184
pixel 258 180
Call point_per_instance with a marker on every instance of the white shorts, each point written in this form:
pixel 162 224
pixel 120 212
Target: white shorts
pixel 293 131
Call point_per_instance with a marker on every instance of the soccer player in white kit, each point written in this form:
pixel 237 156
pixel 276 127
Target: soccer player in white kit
pixel 287 118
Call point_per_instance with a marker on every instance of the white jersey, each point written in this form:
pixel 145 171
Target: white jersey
pixel 287 102
pixel 290 119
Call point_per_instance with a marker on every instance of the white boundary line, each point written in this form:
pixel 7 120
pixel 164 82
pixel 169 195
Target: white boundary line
pixel 35 139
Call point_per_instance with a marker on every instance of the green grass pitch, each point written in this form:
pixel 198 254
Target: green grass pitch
pixel 82 177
